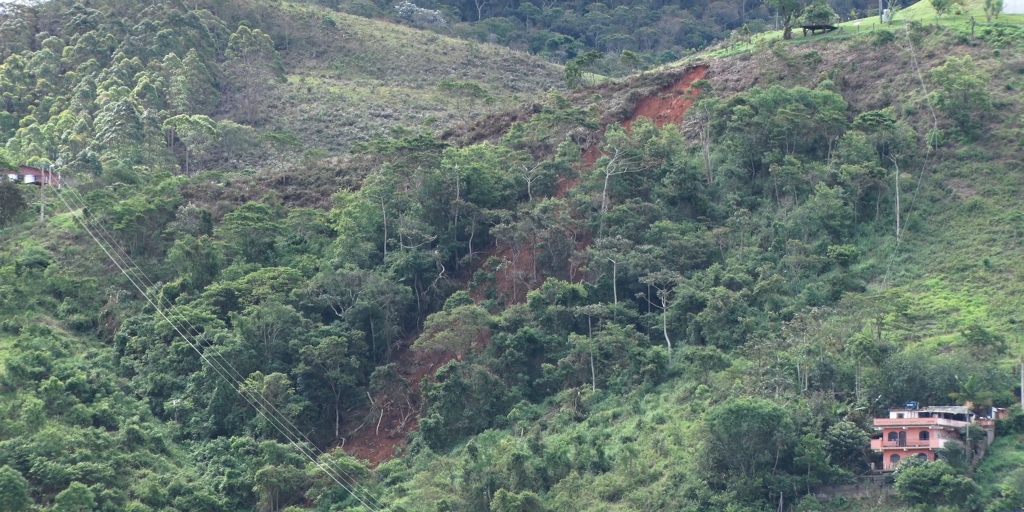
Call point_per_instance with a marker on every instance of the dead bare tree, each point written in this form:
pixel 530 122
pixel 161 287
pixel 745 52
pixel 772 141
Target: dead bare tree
pixel 616 165
pixel 480 4
pixel 664 283
pixel 530 175
pixel 703 118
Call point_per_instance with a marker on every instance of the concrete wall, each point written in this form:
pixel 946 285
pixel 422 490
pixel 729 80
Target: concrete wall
pixel 1013 6
pixel 864 488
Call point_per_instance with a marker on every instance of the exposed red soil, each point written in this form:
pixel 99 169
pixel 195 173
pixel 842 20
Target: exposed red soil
pixel 513 280
pixel 565 185
pixel 374 449
pixel 364 440
pixel 591 156
pixel 516 277
pixel 670 106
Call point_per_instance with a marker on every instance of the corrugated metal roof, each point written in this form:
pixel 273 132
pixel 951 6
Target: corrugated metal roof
pixel 947 409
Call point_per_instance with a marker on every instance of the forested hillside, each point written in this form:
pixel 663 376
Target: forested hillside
pixel 309 260
pixel 656 32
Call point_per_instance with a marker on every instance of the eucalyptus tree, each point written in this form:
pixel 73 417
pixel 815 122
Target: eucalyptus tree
pixel 197 132
pixel 253 65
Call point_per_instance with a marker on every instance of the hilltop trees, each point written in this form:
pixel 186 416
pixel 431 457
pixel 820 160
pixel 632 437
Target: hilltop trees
pixel 656 33
pixel 789 10
pixel 942 7
pixel 818 13
pixel 993 8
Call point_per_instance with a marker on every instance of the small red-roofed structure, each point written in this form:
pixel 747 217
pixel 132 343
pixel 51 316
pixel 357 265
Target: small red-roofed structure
pixel 31 175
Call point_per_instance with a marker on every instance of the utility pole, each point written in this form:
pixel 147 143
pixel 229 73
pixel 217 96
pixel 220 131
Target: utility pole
pixel 897 203
pixel 896 165
pixel 967 446
pixel 879 12
pixel 42 198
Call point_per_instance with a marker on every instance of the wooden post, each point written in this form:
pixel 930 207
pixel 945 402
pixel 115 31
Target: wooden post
pixel 968 452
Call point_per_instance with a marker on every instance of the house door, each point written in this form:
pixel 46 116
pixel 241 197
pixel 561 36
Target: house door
pixel 903 438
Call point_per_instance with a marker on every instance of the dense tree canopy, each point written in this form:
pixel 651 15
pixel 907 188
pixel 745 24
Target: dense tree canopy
pixel 557 311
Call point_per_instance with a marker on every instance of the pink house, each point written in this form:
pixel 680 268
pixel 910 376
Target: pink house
pixel 919 432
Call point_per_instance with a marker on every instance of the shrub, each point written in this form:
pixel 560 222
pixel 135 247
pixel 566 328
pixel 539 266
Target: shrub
pixel 882 37
pixel 413 13
pixel 363 9
pixel 933 483
pixel 818 13
pixel 12 202
pixel 961 92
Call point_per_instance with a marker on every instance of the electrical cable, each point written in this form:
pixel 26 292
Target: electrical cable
pixel 271 414
pixel 265 409
pixel 109 238
pixel 236 379
pixel 935 119
pixel 924 166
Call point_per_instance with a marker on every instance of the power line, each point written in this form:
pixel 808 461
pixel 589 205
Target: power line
pixel 280 421
pixel 269 412
pixel 927 160
pixel 935 119
pixel 263 407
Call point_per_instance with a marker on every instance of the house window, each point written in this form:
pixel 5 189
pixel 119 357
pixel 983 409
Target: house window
pixel 923 456
pixel 923 435
pixel 894 459
pixel 893 437
pixel 899 415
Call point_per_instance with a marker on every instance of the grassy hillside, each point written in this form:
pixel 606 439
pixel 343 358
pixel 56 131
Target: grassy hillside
pixel 351 79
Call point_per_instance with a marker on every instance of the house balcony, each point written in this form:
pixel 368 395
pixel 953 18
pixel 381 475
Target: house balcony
pixel 931 444
pixel 918 422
